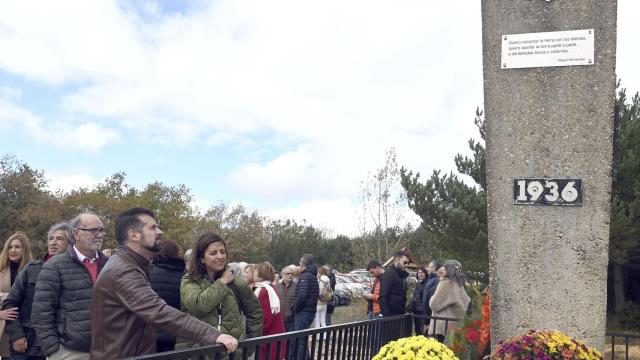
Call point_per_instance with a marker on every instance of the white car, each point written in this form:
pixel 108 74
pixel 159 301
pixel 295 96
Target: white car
pixel 362 278
pixel 345 283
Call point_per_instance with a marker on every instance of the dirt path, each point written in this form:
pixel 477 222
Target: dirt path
pixel 634 351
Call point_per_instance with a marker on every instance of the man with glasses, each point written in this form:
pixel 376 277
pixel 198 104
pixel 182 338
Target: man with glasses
pixel 287 291
pixel 22 336
pixel 62 301
pixel 393 286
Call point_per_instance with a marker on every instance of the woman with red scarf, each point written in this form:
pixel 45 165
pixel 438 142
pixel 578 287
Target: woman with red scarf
pixel 273 323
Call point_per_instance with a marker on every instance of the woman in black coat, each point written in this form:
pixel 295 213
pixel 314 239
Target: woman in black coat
pixel 165 274
pixel 417 306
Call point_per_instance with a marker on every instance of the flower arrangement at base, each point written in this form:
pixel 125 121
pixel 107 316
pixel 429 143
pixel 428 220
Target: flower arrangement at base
pixel 544 345
pixel 415 347
pixel 470 341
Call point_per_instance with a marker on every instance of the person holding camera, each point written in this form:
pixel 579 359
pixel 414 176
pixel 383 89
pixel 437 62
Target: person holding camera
pixel 373 306
pixel 210 292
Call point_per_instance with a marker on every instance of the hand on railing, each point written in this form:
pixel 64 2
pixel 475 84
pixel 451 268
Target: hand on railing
pixel 228 341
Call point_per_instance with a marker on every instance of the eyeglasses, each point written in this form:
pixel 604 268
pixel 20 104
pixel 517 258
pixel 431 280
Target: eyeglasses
pixel 287 273
pixel 94 231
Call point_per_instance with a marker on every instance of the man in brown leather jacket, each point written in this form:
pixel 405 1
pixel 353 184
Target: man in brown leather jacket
pixel 125 310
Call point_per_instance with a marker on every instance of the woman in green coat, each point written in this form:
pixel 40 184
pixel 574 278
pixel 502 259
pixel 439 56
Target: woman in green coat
pixel 211 293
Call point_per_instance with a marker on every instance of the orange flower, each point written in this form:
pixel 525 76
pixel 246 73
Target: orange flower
pixel 456 348
pixel 485 325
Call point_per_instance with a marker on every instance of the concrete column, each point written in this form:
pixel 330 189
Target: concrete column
pixel 548 264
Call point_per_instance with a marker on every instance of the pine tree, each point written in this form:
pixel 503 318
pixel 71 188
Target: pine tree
pixel 624 245
pixel 454 214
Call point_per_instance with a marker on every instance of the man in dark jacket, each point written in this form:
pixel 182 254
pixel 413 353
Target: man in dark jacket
pixel 307 292
pixel 22 336
pixel 430 286
pixel 304 307
pixel 126 310
pixel 393 286
pixel 61 311
pixel 287 289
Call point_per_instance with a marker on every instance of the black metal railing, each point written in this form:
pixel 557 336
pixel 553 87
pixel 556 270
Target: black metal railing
pixel 625 342
pixel 351 341
pixel 359 340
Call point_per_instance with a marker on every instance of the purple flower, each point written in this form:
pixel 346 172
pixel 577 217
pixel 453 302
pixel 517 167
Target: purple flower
pixel 540 355
pixel 514 348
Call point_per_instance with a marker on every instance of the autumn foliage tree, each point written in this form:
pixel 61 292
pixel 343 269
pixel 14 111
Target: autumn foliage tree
pixel 25 203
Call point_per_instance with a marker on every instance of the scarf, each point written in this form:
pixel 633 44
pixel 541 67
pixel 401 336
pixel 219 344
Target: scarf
pixel 274 301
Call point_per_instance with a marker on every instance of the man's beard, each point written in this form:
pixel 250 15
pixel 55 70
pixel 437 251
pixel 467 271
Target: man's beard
pixel 155 247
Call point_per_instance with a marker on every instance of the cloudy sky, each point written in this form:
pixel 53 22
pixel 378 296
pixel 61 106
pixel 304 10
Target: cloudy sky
pixel 283 106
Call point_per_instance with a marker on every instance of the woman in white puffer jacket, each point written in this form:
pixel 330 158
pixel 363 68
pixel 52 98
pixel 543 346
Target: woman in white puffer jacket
pixel 321 308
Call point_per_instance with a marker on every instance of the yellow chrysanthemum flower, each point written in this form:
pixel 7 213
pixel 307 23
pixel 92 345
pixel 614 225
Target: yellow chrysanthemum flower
pixel 415 348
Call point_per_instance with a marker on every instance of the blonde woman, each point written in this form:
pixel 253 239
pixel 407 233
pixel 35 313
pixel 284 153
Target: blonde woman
pixel 321 308
pixel 14 257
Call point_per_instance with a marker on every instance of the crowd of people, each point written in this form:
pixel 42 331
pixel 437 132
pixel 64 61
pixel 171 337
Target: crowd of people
pixel 439 292
pixel 79 302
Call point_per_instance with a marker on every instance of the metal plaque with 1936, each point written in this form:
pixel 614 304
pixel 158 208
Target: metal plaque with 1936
pixel 541 191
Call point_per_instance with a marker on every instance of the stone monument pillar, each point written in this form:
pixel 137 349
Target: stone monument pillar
pixel 549 93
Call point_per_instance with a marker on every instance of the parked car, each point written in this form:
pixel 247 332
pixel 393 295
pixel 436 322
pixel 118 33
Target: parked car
pixel 359 271
pixel 356 289
pixel 364 279
pixel 341 297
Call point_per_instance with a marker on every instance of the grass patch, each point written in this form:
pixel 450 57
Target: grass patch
pixel 357 311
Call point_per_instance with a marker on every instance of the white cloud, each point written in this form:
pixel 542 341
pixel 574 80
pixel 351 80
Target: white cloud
pixel 627 47
pixel 336 169
pixel 67 182
pixel 292 174
pixel 87 136
pixel 337 215
pixel 200 204
pixel 67 40
pixel 358 69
